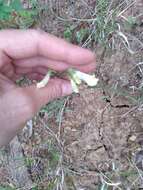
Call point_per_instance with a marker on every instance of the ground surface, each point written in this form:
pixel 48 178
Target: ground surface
pixel 93 140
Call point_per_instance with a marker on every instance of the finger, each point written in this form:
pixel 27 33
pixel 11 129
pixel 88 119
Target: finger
pixel 19 44
pixel 43 70
pixel 39 64
pixel 40 61
pixel 26 70
pixel 35 76
pixel 7 70
pixel 36 98
pixel 38 73
pixel 86 68
pixel 4 59
pixel 23 103
pixel 15 77
pixel 5 84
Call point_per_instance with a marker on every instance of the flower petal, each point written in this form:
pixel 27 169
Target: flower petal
pixel 74 86
pixel 45 81
pixel 91 80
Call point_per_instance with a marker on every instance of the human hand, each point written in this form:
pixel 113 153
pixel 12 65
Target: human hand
pixel 31 53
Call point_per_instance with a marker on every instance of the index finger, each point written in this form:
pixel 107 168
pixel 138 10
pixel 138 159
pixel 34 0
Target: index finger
pixel 19 44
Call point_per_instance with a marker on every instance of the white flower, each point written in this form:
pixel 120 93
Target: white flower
pixel 90 80
pixel 77 76
pixel 73 76
pixel 45 80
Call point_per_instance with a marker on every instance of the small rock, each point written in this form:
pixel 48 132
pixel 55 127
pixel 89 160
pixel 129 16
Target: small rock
pixel 74 130
pixel 132 138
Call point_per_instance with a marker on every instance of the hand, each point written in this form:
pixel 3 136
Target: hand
pixel 31 53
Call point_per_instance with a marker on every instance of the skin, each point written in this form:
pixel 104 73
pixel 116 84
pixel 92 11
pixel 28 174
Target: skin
pixel 31 53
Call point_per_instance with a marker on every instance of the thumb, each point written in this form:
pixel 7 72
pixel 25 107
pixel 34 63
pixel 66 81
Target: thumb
pixel 23 103
pixel 39 97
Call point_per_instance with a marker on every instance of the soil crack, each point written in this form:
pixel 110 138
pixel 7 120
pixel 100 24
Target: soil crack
pixel 120 106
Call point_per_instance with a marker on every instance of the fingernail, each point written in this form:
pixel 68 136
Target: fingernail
pixel 67 88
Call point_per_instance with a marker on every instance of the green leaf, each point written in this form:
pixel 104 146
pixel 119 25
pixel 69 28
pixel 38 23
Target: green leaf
pixel 16 5
pixel 81 34
pixel 68 34
pixel 27 13
pixel 131 20
pixel 1 2
pixel 5 12
pixel 6 188
pixel 5 9
pixel 130 23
